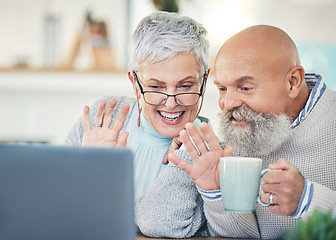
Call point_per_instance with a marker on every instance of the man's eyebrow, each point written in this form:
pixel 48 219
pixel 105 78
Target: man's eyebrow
pixel 239 80
pixel 216 82
pixel 244 78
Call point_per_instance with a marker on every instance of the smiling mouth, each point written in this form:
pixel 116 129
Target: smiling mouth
pixel 239 122
pixel 171 116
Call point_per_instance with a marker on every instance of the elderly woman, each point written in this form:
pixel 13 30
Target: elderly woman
pixel 168 71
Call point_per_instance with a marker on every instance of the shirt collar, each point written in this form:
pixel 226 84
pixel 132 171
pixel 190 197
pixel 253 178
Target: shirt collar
pixel 317 86
pixel 150 135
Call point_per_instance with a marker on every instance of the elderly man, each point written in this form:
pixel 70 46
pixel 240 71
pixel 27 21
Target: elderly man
pixel 272 110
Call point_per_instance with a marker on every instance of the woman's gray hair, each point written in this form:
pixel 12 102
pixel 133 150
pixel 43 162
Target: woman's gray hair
pixel 162 35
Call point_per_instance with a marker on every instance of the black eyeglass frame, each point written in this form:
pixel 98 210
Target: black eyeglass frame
pixel 168 95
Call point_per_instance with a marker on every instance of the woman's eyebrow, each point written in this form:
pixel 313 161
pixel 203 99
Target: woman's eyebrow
pixel 192 78
pixel 154 80
pixel 151 80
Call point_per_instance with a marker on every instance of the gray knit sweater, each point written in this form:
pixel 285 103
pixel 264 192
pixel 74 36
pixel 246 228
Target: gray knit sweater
pixel 175 203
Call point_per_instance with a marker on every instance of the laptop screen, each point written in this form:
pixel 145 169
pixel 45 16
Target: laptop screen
pixel 59 192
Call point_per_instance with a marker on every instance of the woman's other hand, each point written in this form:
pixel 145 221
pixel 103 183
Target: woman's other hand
pixel 176 144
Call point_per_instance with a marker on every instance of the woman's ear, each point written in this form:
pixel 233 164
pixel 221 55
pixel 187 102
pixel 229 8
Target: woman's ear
pixel 207 74
pixel 204 89
pixel 205 82
pixel 296 76
pixel 131 77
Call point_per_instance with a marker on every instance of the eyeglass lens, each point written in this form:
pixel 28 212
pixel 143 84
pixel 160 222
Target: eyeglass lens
pixel 183 99
pixel 158 98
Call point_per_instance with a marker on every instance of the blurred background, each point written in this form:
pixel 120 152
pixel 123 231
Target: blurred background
pixel 58 55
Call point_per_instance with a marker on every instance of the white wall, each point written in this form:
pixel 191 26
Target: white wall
pixel 43 107
pixel 22 22
pixel 22 27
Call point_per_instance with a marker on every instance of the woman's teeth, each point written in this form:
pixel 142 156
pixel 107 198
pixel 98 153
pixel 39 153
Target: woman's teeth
pixel 171 116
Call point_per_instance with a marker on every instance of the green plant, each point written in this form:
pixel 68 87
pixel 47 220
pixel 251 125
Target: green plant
pixel 166 5
pixel 318 226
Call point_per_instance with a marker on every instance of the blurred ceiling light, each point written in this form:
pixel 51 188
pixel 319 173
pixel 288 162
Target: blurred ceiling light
pixel 225 18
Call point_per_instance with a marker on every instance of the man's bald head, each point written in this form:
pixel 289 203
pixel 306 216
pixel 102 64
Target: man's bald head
pixel 266 44
pixel 265 59
pixel 262 89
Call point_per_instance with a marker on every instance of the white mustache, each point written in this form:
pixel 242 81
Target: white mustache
pixel 263 134
pixel 242 113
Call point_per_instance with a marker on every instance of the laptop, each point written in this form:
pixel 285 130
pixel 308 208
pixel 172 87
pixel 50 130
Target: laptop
pixel 59 192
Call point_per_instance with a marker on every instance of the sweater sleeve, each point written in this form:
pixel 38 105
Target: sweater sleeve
pixel 172 207
pixel 222 223
pixel 229 224
pixel 323 199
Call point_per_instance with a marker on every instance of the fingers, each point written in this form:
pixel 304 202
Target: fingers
pixel 288 185
pixel 86 119
pixel 279 207
pixel 100 113
pixel 122 140
pixel 210 137
pixel 196 138
pixel 109 113
pixel 227 152
pixel 270 199
pixel 120 119
pixel 188 144
pixel 176 144
pixel 281 164
pixel 276 209
pixel 283 172
pixel 273 176
pixel 287 188
pixel 181 164
pixel 165 159
pixel 193 140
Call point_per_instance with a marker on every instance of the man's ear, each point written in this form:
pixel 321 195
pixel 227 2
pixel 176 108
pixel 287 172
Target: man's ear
pixel 131 77
pixel 296 76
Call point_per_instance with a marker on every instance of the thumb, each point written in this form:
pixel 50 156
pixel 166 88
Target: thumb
pixel 176 144
pixel 227 152
pixel 281 164
pixel 122 140
pixel 165 159
pixel 181 164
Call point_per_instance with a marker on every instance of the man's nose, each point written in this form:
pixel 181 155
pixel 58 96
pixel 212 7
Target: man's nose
pixel 230 101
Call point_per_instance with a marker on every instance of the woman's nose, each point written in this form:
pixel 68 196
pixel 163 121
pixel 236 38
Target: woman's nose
pixel 170 103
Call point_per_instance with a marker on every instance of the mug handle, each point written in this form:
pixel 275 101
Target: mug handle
pixel 259 199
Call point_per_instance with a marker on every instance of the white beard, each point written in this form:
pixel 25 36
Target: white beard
pixel 263 134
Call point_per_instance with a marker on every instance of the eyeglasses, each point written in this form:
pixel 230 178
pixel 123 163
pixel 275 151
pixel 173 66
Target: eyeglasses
pixel 160 98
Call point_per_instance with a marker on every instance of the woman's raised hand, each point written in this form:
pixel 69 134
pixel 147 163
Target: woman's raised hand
pixel 101 135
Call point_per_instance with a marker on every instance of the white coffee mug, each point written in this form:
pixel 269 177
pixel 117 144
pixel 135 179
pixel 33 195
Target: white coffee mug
pixel 240 183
